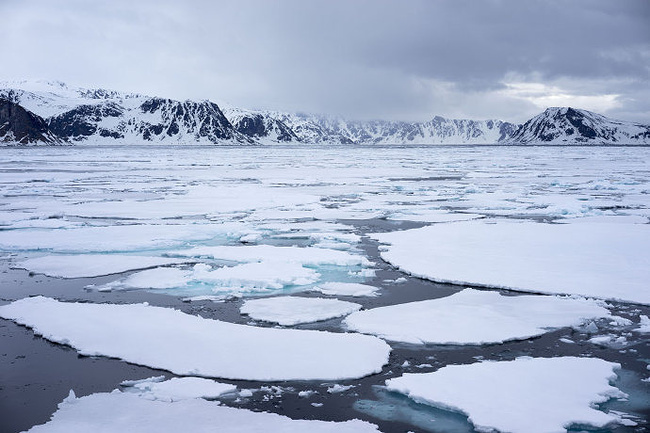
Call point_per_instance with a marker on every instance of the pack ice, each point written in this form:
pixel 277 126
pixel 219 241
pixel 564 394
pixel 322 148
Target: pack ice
pixel 604 260
pixel 527 395
pixel 474 317
pixel 191 345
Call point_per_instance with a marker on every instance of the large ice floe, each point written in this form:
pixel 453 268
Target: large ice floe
pixel 610 261
pixel 527 395
pixel 129 412
pixel 93 265
pixel 474 317
pixel 291 310
pixel 190 345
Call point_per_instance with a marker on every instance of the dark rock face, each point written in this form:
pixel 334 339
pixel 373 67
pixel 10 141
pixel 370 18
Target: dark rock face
pixel 82 121
pixel 199 120
pixel 18 125
pixel 255 125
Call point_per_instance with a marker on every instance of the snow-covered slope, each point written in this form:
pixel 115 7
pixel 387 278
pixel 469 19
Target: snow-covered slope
pixel 310 128
pixel 78 115
pixel 566 125
pixel 104 116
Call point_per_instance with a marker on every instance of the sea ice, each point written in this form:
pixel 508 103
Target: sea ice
pixel 191 345
pixel 474 317
pixel 257 253
pixel 178 388
pixel 346 289
pixel 609 261
pixel 291 310
pixel 247 277
pixel 93 265
pixel 527 395
pixel 644 324
pixel 134 237
pixel 124 411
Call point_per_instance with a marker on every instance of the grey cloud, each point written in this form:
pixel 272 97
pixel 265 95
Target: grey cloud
pixel 363 58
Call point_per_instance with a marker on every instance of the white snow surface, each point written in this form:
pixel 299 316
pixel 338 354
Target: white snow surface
pixel 190 345
pixel 610 261
pixel 527 395
pixel 178 388
pixel 124 411
pixel 292 310
pixel 474 317
pixel 346 289
pixel 114 238
pixel 92 265
pixel 258 253
pixel 247 277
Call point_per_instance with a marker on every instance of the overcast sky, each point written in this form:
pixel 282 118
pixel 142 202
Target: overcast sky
pixel 400 59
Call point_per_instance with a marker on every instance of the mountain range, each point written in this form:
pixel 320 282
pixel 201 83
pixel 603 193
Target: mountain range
pixel 48 112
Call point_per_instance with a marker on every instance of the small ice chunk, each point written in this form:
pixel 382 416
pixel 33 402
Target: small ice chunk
pixel 338 388
pixel 346 289
pixel 291 310
pixel 180 388
pixel 644 324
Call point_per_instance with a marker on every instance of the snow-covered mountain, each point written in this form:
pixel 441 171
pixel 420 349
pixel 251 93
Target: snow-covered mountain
pixel 566 125
pixel 104 116
pixel 18 125
pixel 75 115
pixel 310 128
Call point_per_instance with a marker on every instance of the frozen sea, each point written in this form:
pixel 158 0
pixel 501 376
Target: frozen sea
pixel 219 243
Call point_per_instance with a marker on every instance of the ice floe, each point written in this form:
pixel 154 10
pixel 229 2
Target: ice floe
pixel 243 278
pixel 346 289
pixel 644 324
pixel 291 310
pixel 527 395
pixel 134 237
pixel 257 253
pixel 178 388
pixel 124 411
pixel 474 317
pixel 92 265
pixel 191 345
pixel 610 261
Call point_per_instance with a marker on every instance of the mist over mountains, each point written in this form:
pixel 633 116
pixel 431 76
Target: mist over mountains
pixel 55 113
